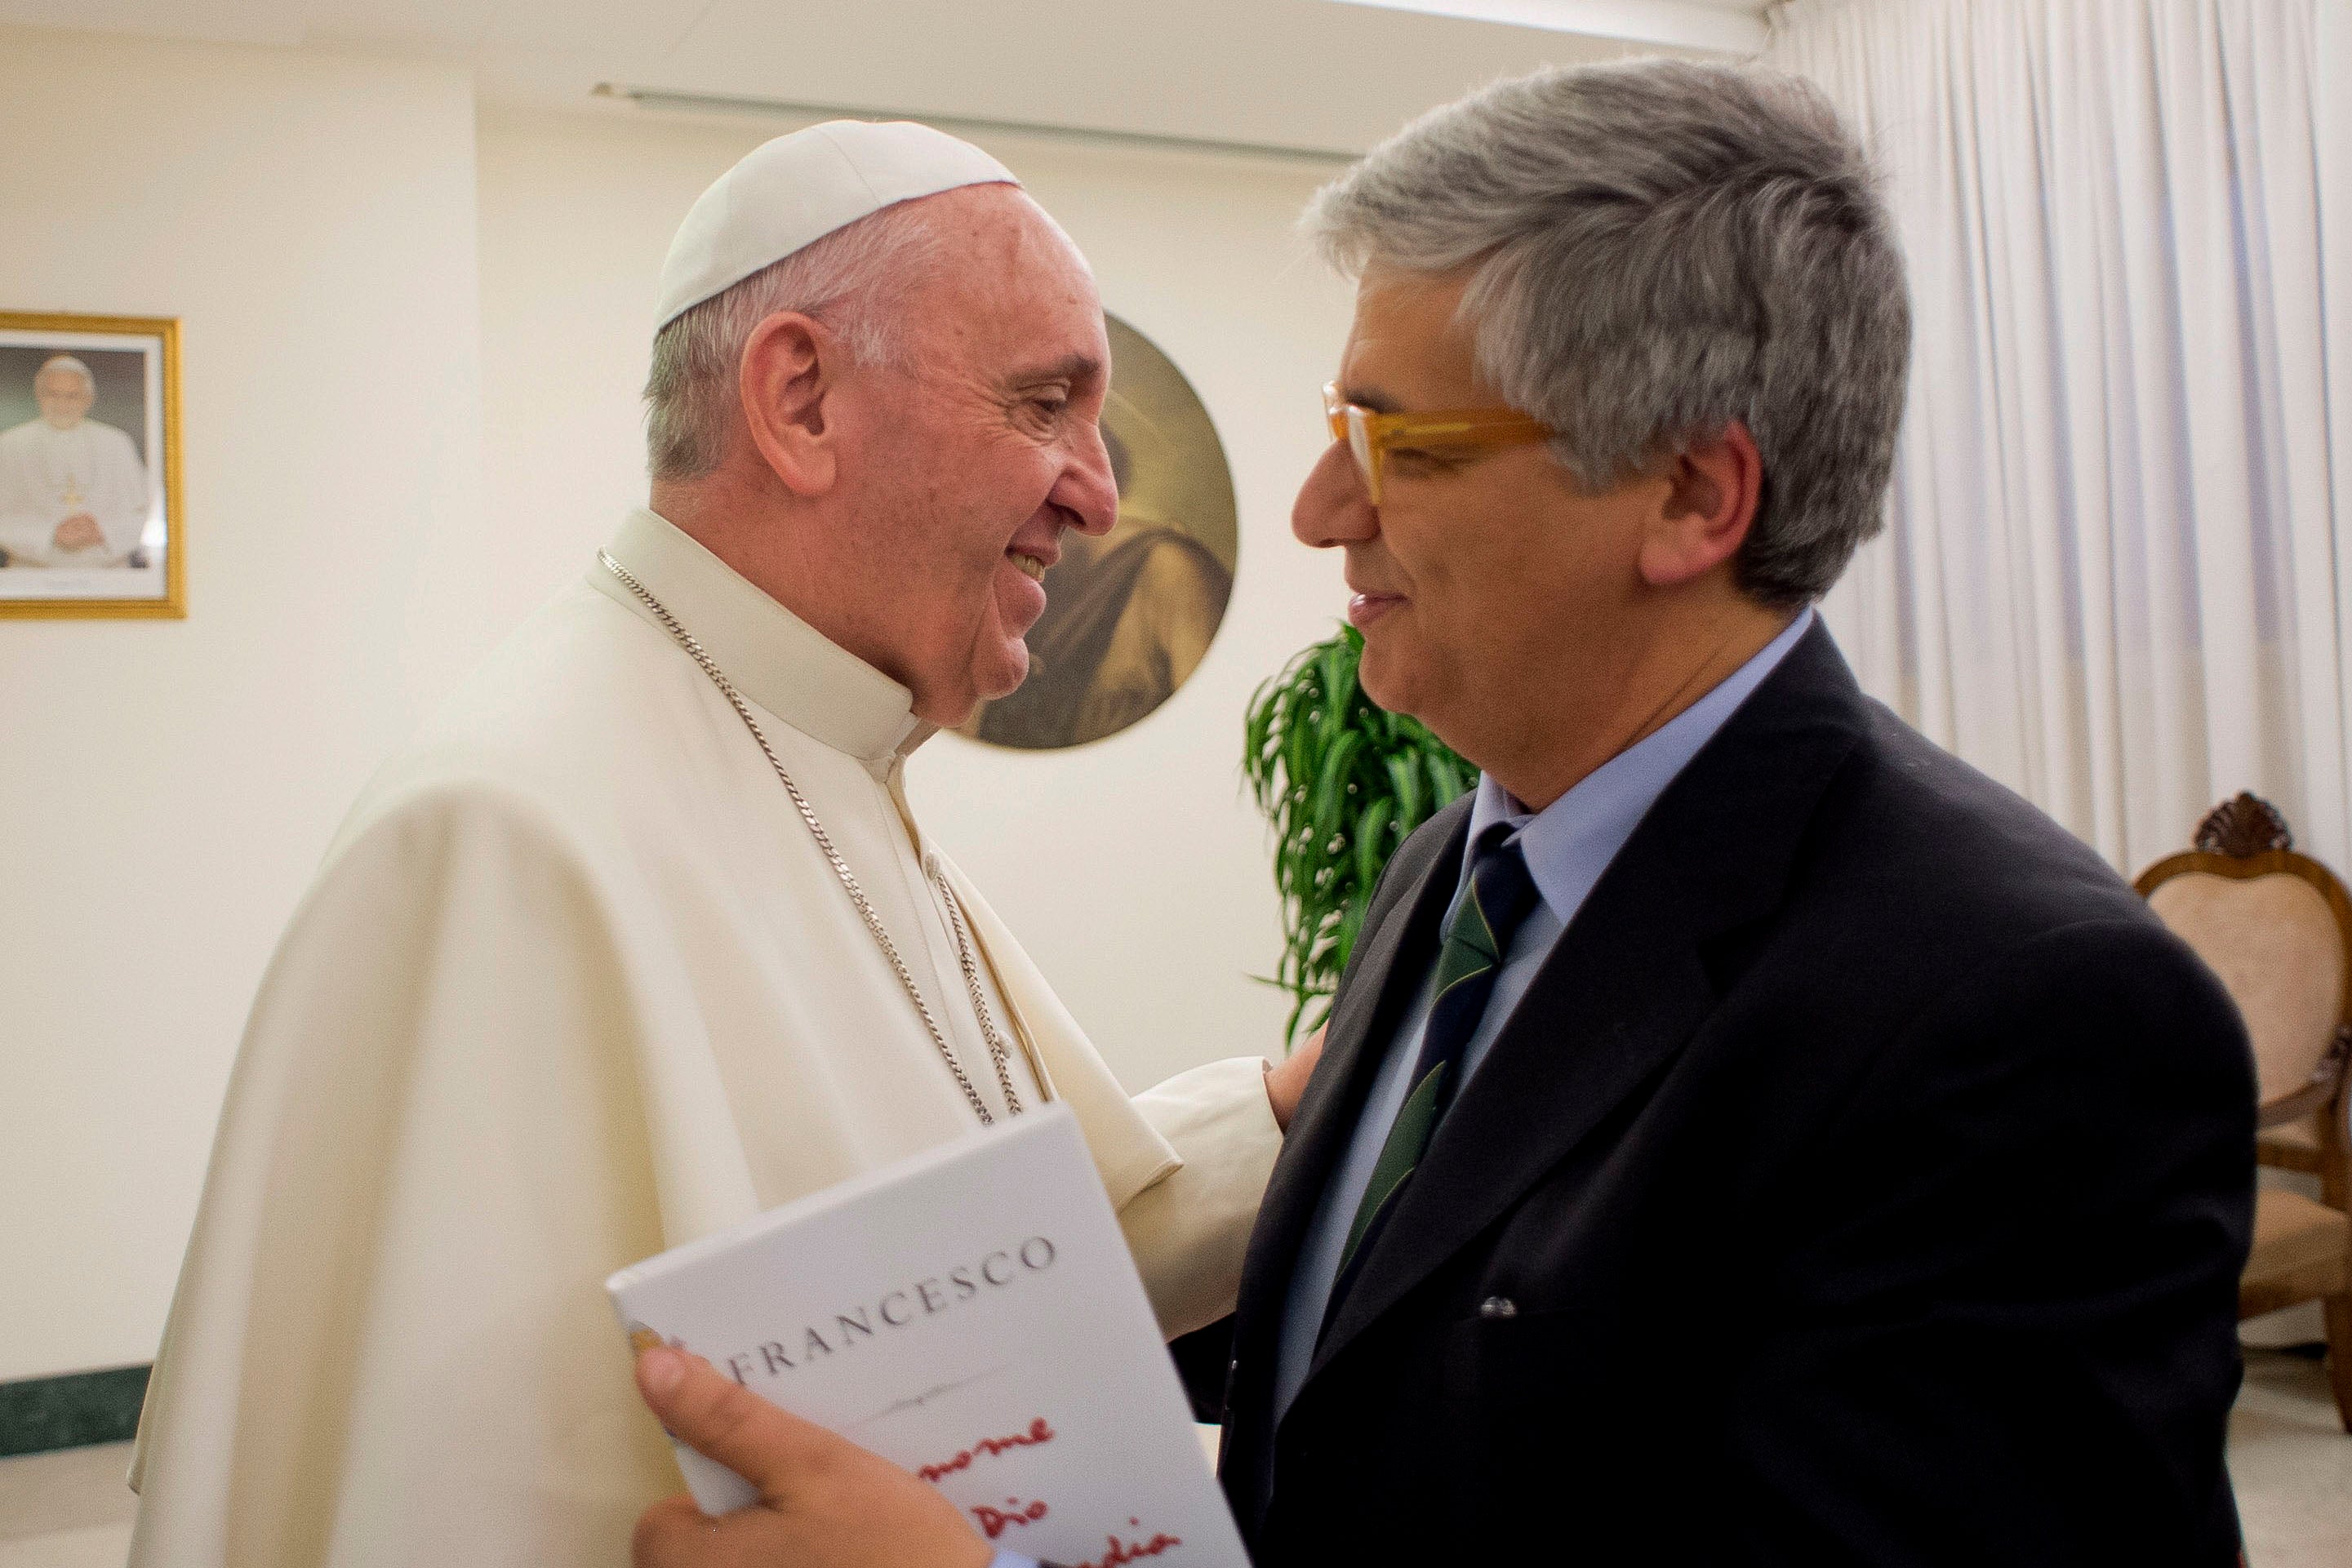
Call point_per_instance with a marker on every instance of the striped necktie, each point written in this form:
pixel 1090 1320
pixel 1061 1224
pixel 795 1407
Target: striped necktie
pixel 1499 894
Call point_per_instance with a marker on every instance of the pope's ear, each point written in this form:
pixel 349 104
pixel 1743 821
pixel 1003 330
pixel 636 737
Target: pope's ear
pixel 788 373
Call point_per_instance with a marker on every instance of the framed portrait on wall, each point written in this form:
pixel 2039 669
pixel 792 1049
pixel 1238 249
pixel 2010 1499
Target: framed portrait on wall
pixel 90 467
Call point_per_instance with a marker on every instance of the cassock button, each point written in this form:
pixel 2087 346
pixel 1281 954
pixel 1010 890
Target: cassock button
pixel 1499 1307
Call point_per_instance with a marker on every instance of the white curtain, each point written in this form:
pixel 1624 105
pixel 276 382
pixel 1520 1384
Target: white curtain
pixel 2118 571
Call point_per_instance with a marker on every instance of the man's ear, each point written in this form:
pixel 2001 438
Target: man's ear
pixel 1712 492
pixel 789 370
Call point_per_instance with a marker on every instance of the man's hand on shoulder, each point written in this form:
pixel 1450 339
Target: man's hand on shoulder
pixel 825 1502
pixel 1286 1083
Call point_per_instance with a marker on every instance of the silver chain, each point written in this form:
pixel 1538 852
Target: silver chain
pixel 999 1053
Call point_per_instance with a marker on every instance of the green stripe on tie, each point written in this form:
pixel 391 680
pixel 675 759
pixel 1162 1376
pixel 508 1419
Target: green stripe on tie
pixel 1407 1138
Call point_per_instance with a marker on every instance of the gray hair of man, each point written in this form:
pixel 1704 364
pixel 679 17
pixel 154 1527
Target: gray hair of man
pixel 1655 249
pixel 852 280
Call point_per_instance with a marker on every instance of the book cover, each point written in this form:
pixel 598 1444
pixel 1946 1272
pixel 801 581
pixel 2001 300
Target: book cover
pixel 970 1315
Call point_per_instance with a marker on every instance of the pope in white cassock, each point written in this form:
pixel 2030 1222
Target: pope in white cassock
pixel 72 490
pixel 638 938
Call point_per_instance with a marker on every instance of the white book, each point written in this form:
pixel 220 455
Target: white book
pixel 970 1315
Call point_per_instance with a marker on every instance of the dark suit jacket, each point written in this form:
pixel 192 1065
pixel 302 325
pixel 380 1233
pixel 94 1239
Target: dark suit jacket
pixel 1867 1173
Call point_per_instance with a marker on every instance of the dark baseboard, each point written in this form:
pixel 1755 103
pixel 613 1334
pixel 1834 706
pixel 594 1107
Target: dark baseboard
pixel 70 1412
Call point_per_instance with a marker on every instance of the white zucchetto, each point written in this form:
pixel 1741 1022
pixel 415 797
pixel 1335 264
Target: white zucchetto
pixel 795 189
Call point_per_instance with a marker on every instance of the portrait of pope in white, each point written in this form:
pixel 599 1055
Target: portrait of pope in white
pixel 84 497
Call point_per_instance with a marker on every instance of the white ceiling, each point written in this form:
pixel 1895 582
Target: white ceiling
pixel 1310 74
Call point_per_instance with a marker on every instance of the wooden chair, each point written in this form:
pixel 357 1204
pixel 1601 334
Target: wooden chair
pixel 2276 927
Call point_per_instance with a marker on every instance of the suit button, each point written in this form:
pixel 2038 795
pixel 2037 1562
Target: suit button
pixel 1499 1307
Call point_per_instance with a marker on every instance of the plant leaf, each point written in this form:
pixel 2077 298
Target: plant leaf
pixel 1443 782
pixel 1405 779
pixel 1331 789
pixel 1372 844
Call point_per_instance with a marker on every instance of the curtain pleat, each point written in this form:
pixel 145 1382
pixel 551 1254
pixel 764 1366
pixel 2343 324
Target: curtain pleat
pixel 2112 576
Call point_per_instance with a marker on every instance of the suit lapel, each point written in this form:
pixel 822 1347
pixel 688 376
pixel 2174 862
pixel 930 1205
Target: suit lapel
pixel 1625 985
pixel 1384 976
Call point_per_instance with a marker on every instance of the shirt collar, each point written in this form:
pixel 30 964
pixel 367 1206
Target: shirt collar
pixel 772 656
pixel 1570 842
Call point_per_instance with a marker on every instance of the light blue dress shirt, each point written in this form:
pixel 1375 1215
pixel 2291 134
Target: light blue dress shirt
pixel 1568 845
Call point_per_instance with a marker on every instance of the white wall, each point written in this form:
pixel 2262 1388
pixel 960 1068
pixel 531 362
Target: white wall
pixel 1134 870
pixel 168 786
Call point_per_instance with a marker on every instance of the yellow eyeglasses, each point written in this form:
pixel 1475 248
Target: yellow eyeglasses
pixel 1371 435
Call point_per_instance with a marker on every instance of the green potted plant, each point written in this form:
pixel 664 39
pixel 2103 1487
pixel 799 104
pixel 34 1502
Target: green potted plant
pixel 1343 782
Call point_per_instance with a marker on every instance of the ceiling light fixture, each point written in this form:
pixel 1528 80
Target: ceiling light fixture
pixel 962 125
pixel 1724 27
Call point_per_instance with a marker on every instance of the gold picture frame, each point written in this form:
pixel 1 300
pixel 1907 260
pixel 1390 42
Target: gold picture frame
pixel 135 565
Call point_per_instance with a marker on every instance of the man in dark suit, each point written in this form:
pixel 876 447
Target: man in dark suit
pixel 1745 1133
pixel 1862 1178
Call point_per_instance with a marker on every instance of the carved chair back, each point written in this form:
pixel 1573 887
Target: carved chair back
pixel 2276 927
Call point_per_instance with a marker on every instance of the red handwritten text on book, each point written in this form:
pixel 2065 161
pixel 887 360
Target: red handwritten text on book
pixel 1116 1551
pixel 995 1524
pixel 989 1447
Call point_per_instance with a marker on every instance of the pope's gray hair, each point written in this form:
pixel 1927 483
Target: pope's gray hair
pixel 852 280
pixel 1654 250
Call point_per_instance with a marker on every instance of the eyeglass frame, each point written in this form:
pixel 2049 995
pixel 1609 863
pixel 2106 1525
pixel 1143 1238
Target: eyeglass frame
pixel 1369 434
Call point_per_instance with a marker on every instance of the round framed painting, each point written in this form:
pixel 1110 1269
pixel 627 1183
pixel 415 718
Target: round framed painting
pixel 1128 615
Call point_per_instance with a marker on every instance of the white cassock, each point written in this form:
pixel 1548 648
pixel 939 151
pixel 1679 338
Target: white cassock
pixel 575 985
pixel 47 474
